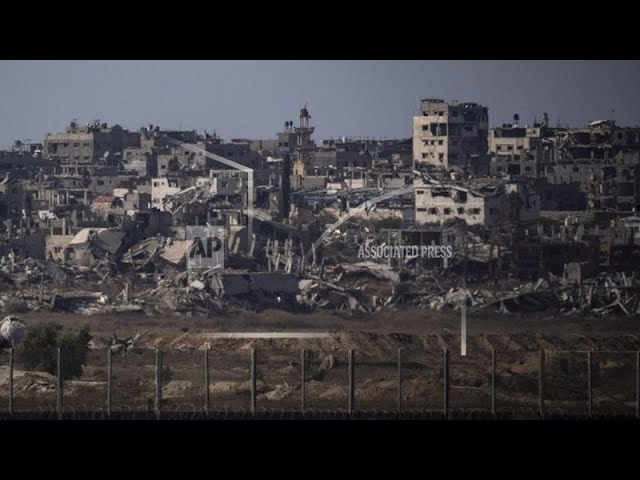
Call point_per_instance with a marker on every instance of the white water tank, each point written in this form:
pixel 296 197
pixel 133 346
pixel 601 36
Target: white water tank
pixel 12 330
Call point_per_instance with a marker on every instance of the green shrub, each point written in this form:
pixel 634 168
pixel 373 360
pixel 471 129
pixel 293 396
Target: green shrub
pixel 38 350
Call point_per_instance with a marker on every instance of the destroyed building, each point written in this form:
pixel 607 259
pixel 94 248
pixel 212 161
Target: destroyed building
pixel 451 135
pixel 89 143
pixel 238 151
pixel 141 162
pixel 481 202
pixel 124 202
pixel 120 216
pixel 85 247
pixel 23 157
pixel 590 168
pixel 161 187
pixel 520 150
pixel 600 162
pixel 172 159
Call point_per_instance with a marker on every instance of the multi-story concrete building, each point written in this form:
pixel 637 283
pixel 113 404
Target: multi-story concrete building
pixel 339 159
pixel 238 150
pixel 451 135
pixel 287 139
pixel 596 167
pixel 478 203
pixel 89 143
pixel 515 150
pixel 173 159
pixel 13 198
pixel 162 187
pixel 143 162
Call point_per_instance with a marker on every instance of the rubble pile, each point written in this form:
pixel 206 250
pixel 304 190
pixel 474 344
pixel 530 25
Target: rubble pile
pixel 152 253
pixel 601 295
pixel 33 285
pixel 215 291
pixel 357 287
pixel 149 276
pixel 317 293
pixel 167 298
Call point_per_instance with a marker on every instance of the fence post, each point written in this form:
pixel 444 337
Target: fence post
pixel 303 383
pixel 638 384
pixel 11 381
pixel 351 382
pixel 59 385
pixel 463 324
pixel 206 380
pixel 541 383
pixel 158 381
pixel 445 374
pixel 493 382
pixel 399 399
pixel 253 381
pixel 109 372
pixel 590 381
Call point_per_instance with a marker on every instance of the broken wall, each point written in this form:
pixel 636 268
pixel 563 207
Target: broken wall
pixel 56 246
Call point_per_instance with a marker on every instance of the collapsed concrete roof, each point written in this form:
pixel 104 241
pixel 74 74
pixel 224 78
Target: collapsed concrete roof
pixel 175 253
pixel 83 236
pixel 107 239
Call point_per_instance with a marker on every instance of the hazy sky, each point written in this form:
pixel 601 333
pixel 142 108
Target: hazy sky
pixel 252 99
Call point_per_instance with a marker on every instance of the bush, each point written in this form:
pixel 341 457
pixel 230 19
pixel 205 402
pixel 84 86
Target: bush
pixel 39 349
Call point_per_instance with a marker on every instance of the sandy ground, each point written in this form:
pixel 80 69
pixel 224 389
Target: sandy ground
pixel 421 335
pixel 409 321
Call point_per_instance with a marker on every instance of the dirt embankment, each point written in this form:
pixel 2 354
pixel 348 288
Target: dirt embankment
pixel 374 339
pixel 404 321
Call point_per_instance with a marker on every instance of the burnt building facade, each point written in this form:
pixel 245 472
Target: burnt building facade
pixel 451 135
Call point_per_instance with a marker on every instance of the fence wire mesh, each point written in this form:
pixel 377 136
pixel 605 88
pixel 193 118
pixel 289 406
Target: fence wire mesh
pixel 327 381
pixel 230 381
pixel 133 381
pixel 88 392
pixel 279 380
pixel 566 382
pixel 614 383
pixel 379 386
pixel 423 380
pixel 376 383
pixel 517 381
pixel 33 391
pixel 4 380
pixel 470 380
pixel 183 381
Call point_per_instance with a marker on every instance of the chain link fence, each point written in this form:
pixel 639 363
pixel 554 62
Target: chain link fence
pixel 432 381
pixel 87 393
pixel 422 381
pixel 183 381
pixel 230 381
pixel 614 377
pixel 132 384
pixel 327 381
